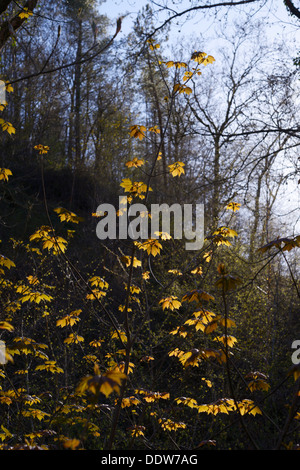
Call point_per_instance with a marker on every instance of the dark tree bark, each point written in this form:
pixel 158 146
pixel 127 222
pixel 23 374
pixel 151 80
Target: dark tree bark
pixel 9 27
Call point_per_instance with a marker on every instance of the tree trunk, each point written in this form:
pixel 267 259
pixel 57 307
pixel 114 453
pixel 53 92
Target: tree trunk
pixel 78 98
pixel 9 27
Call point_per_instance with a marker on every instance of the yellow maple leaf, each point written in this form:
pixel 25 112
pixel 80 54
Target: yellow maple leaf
pixel 127 261
pixel 176 353
pixel 152 45
pixel 56 244
pixel 69 320
pixel 25 13
pixel 257 381
pixel 177 64
pixel 230 340
pixel 35 296
pixel 136 188
pixel 96 343
pixel 202 58
pixel 152 246
pixel 197 295
pixel 169 425
pixel 176 169
pixel 234 206
pixel 7 126
pixel 97 281
pixel 130 401
pixel 180 330
pixel 211 326
pixel 190 358
pixel 4 174
pixel 198 323
pixel 119 335
pixel 135 162
pixel 154 129
pixel 151 397
pixel 4 325
pixel 197 270
pixel 171 303
pixel 105 383
pixel 177 272
pixel 50 366
pixel 71 444
pixel 182 89
pixel 96 294
pixel 42 148
pixel 190 402
pixel 5 434
pixel 137 430
pixel 34 413
pixel 4 261
pixel 33 280
pixel 208 256
pixel 73 338
pixel 138 132
pixel 208 382
pixel 9 87
pixel 67 216
pixel 247 406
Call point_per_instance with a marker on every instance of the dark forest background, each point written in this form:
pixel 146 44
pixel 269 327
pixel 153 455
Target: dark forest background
pixel 95 359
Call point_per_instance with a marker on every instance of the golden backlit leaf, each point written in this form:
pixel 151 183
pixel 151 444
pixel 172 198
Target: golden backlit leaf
pixel 152 246
pixel 230 340
pixel 43 149
pixel 105 383
pixel 67 216
pixel 7 126
pixel 135 163
pixel 190 402
pixel 176 169
pixel 4 174
pixel 197 295
pixel 69 320
pixel 197 270
pixel 127 261
pixel 25 13
pixel 4 261
pixel 171 303
pixel 138 132
pixel 73 338
pixel 137 430
pixel 169 425
pixel 190 358
pixel 50 366
pixel 130 401
pixel 233 206
pixel 4 325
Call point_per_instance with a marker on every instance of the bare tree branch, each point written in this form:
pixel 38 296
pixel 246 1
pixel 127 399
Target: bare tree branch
pixel 71 64
pixel 292 9
pixel 3 5
pixel 202 7
pixel 9 27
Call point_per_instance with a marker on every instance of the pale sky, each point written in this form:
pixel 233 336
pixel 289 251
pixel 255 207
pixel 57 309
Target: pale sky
pixel 278 24
pixel 279 21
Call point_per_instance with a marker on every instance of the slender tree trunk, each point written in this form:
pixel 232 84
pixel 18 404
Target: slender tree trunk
pixel 78 98
pixel 160 123
pixel 71 130
pixel 216 183
pixel 256 217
